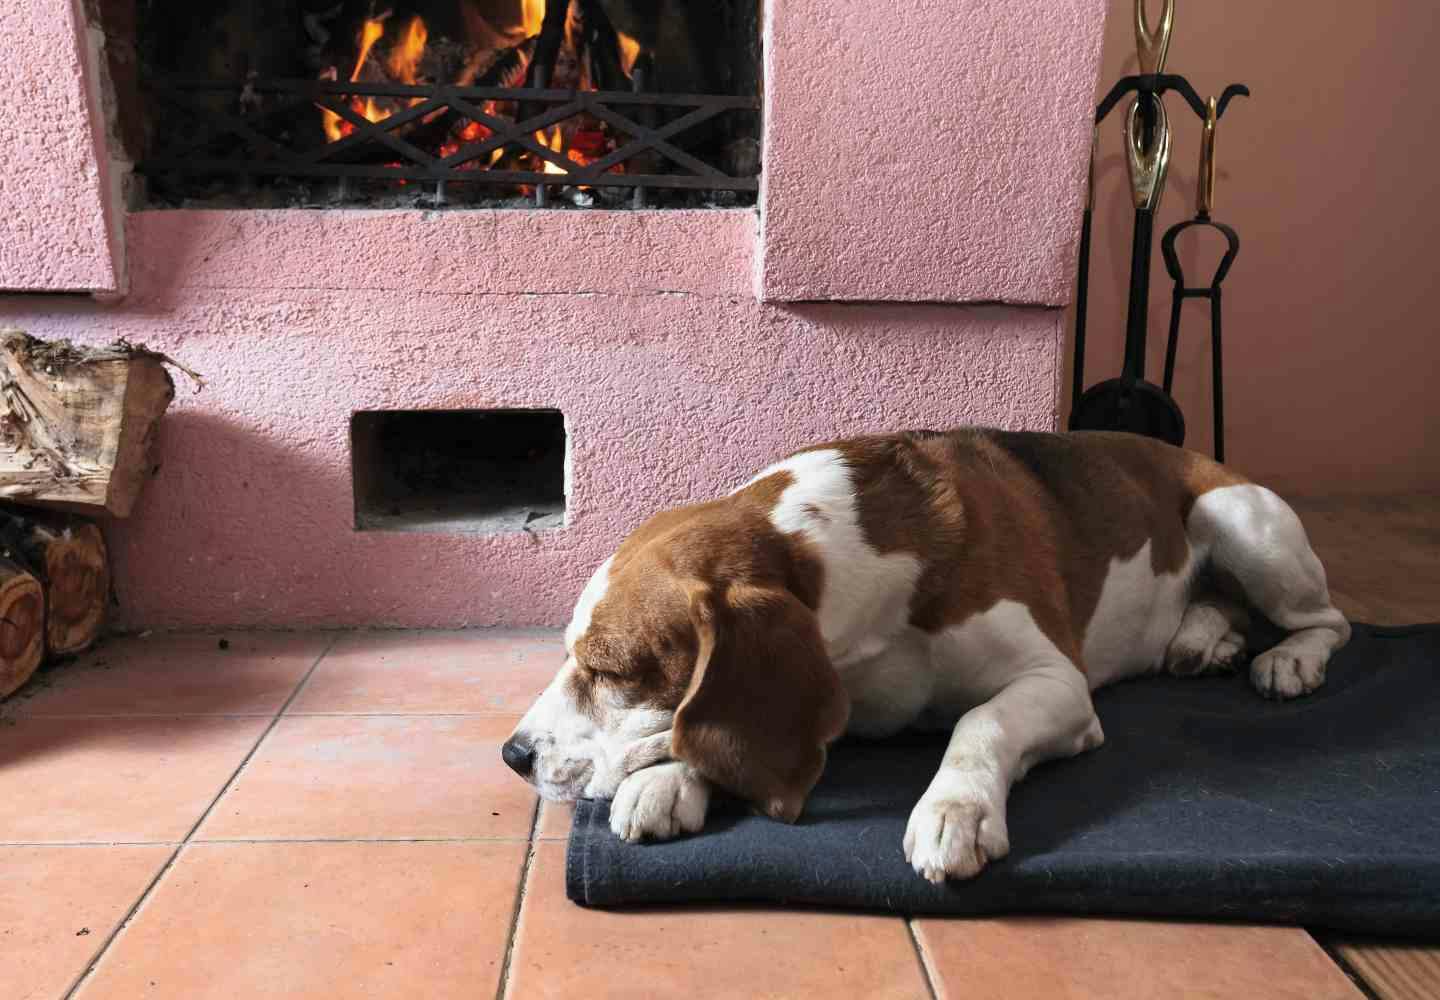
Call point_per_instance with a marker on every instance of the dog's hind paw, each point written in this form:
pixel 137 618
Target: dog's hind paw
pixel 1287 673
pixel 659 802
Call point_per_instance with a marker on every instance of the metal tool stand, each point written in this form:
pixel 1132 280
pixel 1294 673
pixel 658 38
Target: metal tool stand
pixel 1204 204
pixel 1149 86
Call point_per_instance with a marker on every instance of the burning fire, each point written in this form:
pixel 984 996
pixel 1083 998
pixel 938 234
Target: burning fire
pixel 556 144
pixel 370 33
pixel 335 126
pixel 532 16
pixel 404 62
pixel 629 51
pixel 581 142
pixel 472 132
pixel 402 66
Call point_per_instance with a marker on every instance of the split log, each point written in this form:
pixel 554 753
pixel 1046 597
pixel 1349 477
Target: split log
pixel 22 626
pixel 77 426
pixel 67 554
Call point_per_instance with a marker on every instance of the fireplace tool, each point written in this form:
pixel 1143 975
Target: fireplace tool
pixel 1204 205
pixel 1082 283
pixel 1129 402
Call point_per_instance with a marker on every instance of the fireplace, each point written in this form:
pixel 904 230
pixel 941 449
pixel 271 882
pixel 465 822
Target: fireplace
pixel 441 103
pixel 444 418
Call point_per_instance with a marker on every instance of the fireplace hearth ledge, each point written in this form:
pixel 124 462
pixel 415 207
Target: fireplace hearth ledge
pixel 482 252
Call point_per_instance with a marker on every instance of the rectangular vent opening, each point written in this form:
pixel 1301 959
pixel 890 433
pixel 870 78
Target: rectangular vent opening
pixel 458 471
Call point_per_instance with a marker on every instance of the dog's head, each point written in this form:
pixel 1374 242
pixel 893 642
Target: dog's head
pixel 696 642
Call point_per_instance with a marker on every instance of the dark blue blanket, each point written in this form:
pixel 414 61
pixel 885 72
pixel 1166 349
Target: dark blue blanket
pixel 1205 801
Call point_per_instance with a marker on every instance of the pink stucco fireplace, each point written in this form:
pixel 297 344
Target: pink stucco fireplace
pixel 905 264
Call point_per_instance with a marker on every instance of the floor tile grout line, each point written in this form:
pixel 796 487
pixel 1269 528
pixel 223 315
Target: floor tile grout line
pixel 498 839
pixel 361 840
pixel 146 715
pixel 512 714
pixel 304 681
pixel 145 894
pixel 502 986
pixel 925 971
pixel 1356 977
pixel 88 843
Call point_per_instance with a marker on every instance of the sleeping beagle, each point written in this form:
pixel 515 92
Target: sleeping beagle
pixel 976 580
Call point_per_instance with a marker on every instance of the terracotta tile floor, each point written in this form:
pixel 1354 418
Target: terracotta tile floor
pixel 317 815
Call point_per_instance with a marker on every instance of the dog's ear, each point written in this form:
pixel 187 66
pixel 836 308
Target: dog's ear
pixel 763 702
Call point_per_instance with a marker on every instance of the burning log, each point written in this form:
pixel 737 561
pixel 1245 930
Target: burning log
pixel 22 626
pixel 77 429
pixel 505 68
pixel 67 555
pixel 576 47
pixel 596 37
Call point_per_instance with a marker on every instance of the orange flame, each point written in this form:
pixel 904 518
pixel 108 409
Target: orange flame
pixel 369 34
pixel 402 65
pixel 404 62
pixel 555 143
pixel 336 127
pixel 629 51
pixel 532 16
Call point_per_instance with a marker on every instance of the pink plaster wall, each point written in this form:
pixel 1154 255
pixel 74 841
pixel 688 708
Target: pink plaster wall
pixel 53 191
pixel 1332 345
pixel 929 151
pixel 675 383
pixel 957 132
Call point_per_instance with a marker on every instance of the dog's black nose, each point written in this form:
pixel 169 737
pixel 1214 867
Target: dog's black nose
pixel 519 757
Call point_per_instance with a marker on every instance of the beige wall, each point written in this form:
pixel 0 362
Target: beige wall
pixel 1331 175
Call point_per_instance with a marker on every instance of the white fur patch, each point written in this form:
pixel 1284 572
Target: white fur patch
pixel 1255 537
pixel 1138 613
pixel 580 754
pixel 866 595
pixel 594 591
pixel 1030 704
pixel 978 657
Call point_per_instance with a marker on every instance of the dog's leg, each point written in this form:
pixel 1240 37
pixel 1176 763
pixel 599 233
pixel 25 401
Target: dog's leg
pixel 1211 637
pixel 660 802
pixel 959 823
pixel 1255 537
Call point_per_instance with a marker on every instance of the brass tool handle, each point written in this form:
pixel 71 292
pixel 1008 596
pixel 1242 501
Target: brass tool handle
pixel 1147 167
pixel 1205 185
pixel 1153 46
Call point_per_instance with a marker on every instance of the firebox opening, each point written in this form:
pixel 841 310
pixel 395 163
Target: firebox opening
pixel 458 471
pixel 437 103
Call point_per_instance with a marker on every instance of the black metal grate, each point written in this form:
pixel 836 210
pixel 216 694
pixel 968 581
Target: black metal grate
pixel 282 137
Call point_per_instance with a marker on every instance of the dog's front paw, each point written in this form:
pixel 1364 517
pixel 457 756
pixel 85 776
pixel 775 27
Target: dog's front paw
pixel 659 802
pixel 955 834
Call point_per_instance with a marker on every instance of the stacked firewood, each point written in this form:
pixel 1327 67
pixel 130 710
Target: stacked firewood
pixel 77 433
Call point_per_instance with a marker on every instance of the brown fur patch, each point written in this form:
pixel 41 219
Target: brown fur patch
pixel 1035 518
pixel 641 637
pixel 764 702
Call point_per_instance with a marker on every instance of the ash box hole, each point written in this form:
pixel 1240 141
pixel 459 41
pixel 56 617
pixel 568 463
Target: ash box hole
pixel 458 471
